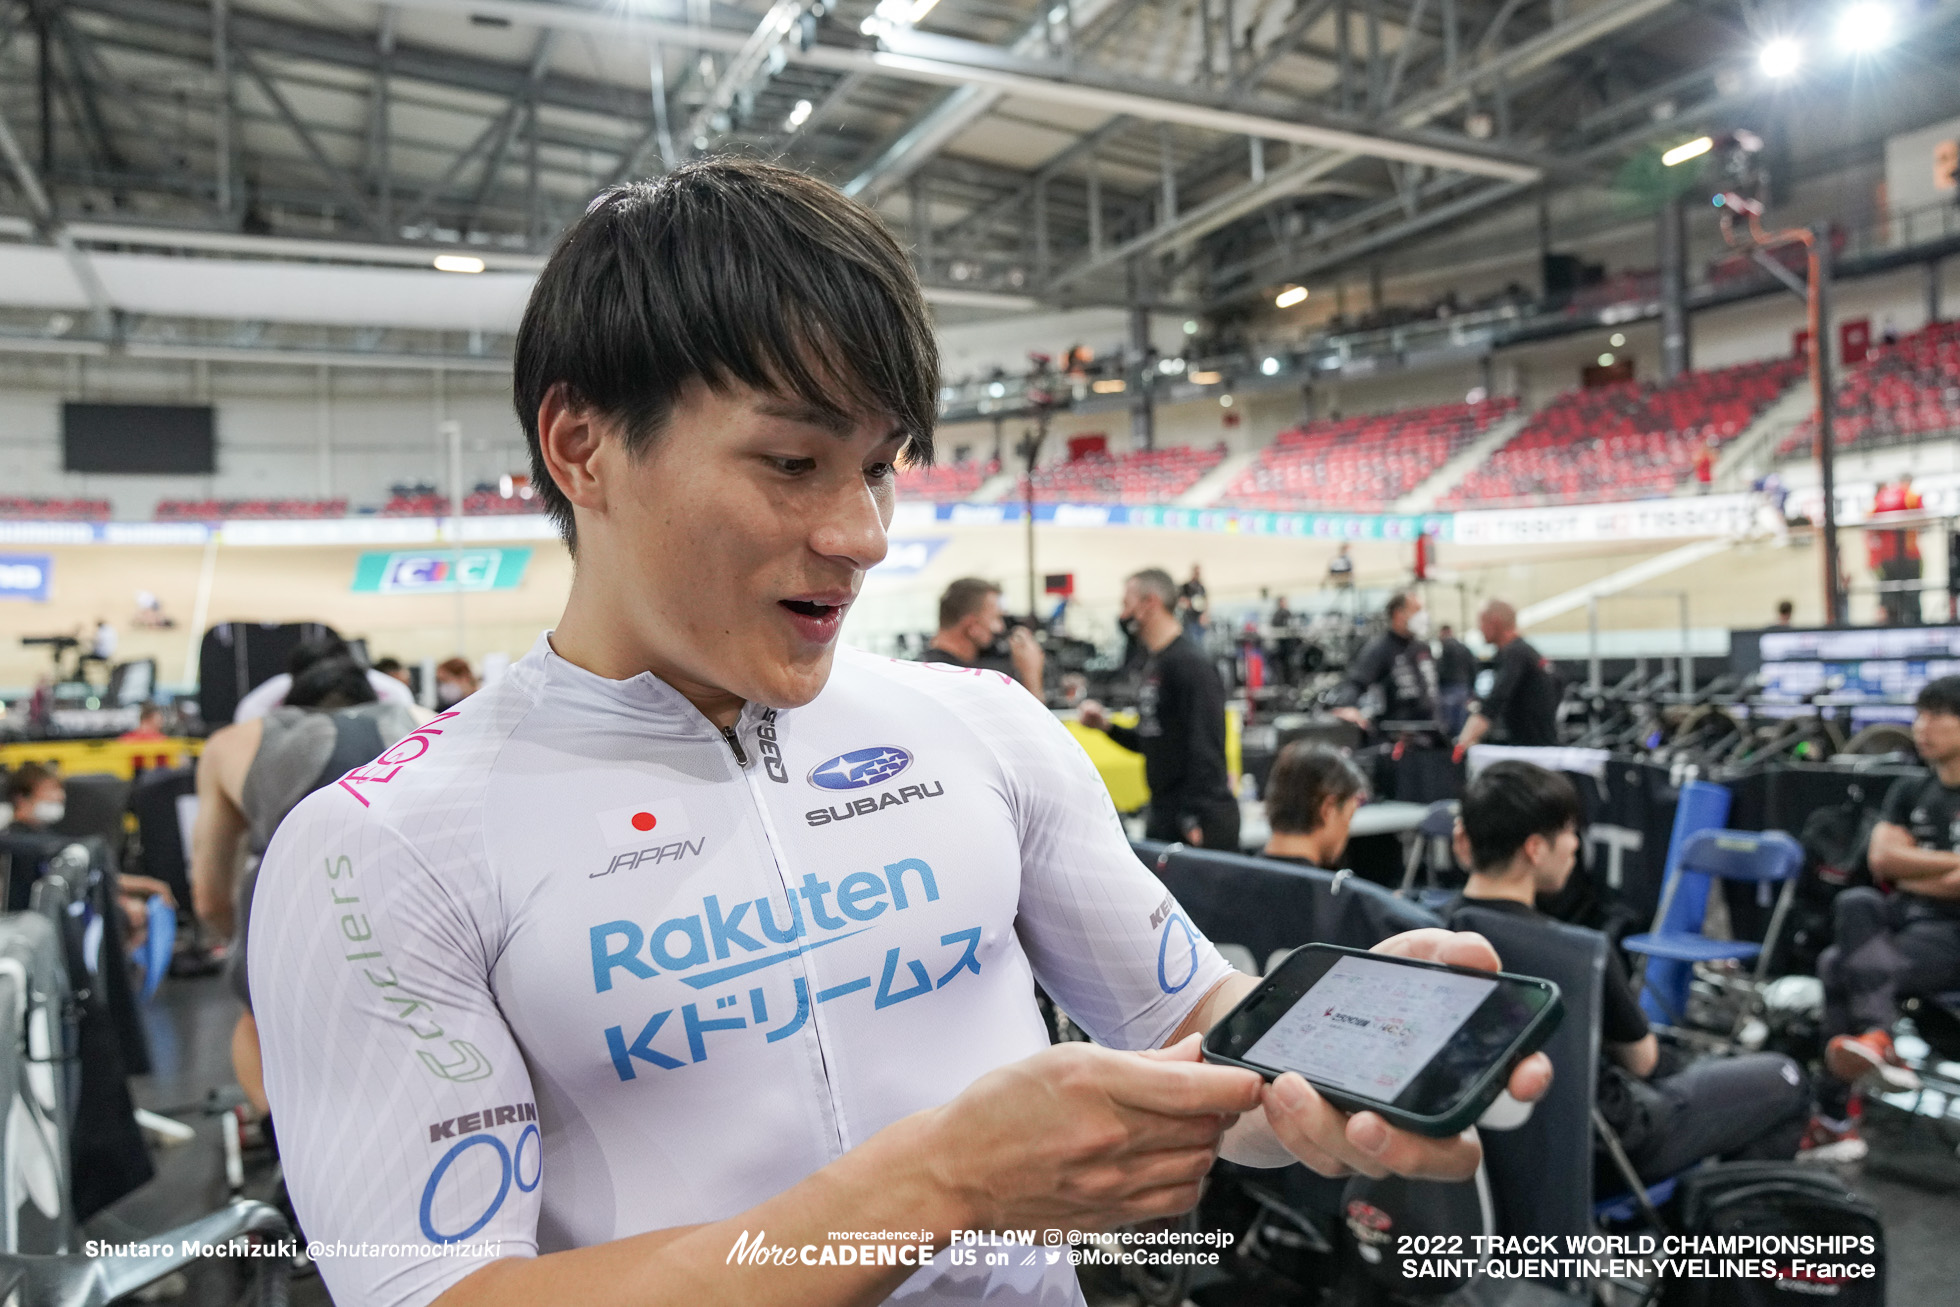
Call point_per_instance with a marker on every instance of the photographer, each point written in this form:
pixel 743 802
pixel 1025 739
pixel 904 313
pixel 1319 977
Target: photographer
pixel 970 629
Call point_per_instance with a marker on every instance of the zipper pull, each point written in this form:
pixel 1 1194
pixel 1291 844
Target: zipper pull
pixel 735 743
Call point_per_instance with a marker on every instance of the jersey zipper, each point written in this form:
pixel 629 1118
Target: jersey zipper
pixel 756 796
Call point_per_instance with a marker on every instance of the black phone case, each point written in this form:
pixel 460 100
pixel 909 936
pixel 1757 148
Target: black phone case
pixel 1481 1095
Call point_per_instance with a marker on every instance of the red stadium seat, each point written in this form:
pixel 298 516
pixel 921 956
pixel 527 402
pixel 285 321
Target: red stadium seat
pixel 1361 463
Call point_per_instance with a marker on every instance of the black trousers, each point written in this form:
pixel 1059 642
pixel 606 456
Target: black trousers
pixel 1171 819
pixel 1753 1107
pixel 1887 948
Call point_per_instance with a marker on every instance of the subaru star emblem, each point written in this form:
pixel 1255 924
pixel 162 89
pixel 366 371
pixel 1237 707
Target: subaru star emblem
pixel 860 768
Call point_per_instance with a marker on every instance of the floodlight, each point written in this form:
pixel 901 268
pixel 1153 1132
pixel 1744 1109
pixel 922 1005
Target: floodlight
pixel 458 263
pixel 1292 295
pixel 1865 27
pixel 1781 57
pixel 1691 150
pixel 1269 366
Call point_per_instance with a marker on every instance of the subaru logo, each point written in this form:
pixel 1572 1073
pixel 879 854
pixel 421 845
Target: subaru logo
pixel 860 768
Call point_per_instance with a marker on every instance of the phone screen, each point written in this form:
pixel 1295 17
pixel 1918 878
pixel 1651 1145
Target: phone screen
pixel 1369 1027
pixel 1415 1037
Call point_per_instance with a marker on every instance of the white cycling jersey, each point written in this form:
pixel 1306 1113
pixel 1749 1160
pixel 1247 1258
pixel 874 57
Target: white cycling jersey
pixel 569 964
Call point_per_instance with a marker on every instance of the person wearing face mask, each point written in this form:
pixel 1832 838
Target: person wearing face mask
pixel 970 629
pixel 38 802
pixel 455 682
pixel 37 798
pixel 1396 661
pixel 1312 795
pixel 1523 699
pixel 1180 728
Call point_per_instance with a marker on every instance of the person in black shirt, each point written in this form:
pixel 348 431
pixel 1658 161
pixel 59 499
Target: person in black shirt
pixel 1906 942
pixel 970 628
pixel 1397 661
pixel 1312 795
pixel 1456 671
pixel 1180 728
pixel 1523 698
pixel 1519 831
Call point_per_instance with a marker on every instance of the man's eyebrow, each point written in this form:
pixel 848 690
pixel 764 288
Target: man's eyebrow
pixel 841 425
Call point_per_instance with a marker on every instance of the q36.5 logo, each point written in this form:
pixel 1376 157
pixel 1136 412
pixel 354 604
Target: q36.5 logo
pixel 860 768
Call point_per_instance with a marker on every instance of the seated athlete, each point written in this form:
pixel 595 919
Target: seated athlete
pixel 1312 795
pixel 1519 831
pixel 1902 939
pixel 695 929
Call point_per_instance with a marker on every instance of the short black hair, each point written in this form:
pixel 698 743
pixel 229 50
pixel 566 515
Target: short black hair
pixel 1306 774
pixel 726 270
pixel 315 649
pixel 1396 603
pixel 335 682
pixel 388 666
pixel 27 778
pixel 962 599
pixel 1942 696
pixel 1508 803
pixel 1785 608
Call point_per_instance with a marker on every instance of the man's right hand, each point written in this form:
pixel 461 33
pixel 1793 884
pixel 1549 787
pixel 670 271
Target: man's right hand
pixel 1087 1138
pixel 1028 657
pixel 1353 715
pixel 1093 715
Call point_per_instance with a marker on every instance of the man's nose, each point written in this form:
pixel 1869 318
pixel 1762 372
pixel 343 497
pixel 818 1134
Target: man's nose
pixel 853 529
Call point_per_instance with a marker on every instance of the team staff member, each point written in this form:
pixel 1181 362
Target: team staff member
pixel 1398 662
pixel 1908 942
pixel 693 928
pixel 1523 698
pixel 971 623
pixel 1180 728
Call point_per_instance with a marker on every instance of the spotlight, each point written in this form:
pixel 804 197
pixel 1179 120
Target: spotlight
pixel 799 115
pixel 1780 57
pixel 997 390
pixel 1269 366
pixel 1605 360
pixel 1109 386
pixel 1866 27
pixel 1692 150
pixel 1190 327
pixel 1292 295
pixel 1617 340
pixel 1225 401
pixel 1207 378
pixel 458 263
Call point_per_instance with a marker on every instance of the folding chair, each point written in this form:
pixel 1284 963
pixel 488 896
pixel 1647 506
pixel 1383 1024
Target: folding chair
pixel 1762 857
pixel 1429 850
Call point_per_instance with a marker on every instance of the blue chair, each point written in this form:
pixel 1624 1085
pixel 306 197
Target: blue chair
pixel 1701 805
pixel 1764 857
pixel 159 944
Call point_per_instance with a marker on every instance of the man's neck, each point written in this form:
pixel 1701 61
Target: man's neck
pixel 1505 638
pixel 1160 632
pixel 1296 844
pixel 1949 772
pixel 952 642
pixel 586 639
pixel 1513 885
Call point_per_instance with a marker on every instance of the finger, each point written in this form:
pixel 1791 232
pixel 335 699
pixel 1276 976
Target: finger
pixel 1413 1155
pixel 1456 948
pixel 1155 1204
pixel 1188 1049
pixel 1310 1127
pixel 1531 1078
pixel 1180 1088
pixel 1149 1131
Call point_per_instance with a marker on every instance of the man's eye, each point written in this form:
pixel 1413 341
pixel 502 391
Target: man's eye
pixel 794 466
pixel 881 471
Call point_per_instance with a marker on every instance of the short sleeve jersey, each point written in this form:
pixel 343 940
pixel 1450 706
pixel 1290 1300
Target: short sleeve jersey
pixel 569 964
pixel 1930 813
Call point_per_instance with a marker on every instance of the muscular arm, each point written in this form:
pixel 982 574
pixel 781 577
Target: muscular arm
pixel 221 827
pixel 1896 857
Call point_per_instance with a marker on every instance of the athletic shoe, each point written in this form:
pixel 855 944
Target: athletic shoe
pixel 1828 1141
pixel 1870 1056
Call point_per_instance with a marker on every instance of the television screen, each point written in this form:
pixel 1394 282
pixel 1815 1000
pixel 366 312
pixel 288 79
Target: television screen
pixel 139 438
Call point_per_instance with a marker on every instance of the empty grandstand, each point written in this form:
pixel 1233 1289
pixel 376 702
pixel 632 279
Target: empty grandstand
pixel 1365 462
pixel 1625 441
pixel 1905 392
pixel 233 510
pixel 53 510
pixel 1147 476
pixel 945 482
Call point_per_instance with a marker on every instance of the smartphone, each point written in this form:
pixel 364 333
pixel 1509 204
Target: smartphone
pixel 1427 1046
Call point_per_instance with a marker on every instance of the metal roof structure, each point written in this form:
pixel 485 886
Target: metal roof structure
pixel 1190 153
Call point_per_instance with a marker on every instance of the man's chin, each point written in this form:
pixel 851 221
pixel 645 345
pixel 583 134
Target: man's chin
pixel 795 683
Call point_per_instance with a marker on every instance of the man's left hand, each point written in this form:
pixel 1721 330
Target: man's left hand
pixel 1334 1143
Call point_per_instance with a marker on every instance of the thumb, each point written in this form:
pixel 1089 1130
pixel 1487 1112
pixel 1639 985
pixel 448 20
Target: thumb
pixel 1187 1049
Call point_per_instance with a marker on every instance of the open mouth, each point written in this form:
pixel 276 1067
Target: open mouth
pixel 806 608
pixel 815 619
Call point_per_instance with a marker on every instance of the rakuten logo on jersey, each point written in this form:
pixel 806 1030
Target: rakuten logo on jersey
pixel 641 823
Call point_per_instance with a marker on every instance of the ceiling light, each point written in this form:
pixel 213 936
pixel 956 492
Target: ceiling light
pixel 799 115
pixel 1780 57
pixel 458 263
pixel 1190 327
pixel 1269 366
pixel 1224 401
pixel 1170 367
pixel 997 390
pixel 1691 150
pixel 1605 360
pixel 1865 27
pixel 1292 295
pixel 1617 340
pixel 1109 386
pixel 1207 378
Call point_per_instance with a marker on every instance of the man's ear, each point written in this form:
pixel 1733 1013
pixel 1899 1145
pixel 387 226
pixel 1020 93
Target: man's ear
pixel 570 435
pixel 1460 845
